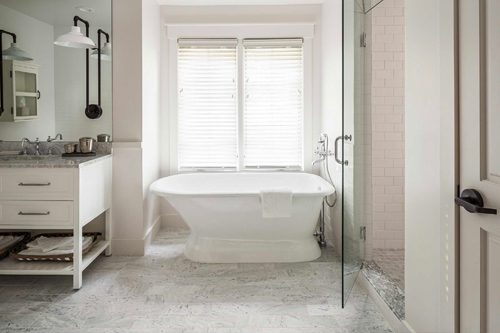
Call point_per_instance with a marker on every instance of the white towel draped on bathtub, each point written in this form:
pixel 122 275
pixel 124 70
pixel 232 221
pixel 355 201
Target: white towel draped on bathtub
pixel 276 203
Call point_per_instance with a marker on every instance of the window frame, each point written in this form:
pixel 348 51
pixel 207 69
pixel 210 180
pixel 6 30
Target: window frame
pixel 240 32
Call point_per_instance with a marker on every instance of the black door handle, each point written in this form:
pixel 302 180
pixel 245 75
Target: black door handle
pixel 472 201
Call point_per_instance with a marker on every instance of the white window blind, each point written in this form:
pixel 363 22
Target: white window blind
pixel 207 103
pixel 273 103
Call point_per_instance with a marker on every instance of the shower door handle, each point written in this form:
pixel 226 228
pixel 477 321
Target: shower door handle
pixel 336 151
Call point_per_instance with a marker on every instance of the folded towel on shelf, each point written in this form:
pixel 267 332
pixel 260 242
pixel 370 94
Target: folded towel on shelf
pixel 276 203
pixel 7 241
pixel 46 246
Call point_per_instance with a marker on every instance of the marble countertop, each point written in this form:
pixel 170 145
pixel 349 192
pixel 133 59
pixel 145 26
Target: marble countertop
pixel 31 161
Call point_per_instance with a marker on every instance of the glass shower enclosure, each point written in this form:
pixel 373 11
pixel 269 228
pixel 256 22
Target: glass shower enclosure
pixel 356 152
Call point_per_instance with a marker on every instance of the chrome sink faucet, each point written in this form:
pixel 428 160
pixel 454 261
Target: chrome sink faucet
pixel 37 147
pixel 24 144
pixel 57 137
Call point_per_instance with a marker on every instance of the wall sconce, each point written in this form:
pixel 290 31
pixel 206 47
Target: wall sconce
pixel 101 53
pixel 12 53
pixel 105 49
pixel 75 39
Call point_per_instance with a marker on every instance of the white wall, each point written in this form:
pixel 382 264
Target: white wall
pixel 387 122
pixel 128 227
pixel 135 123
pixel 151 99
pixel 36 38
pixel 430 166
pixel 331 106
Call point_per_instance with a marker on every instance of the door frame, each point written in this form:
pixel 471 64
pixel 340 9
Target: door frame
pixel 449 319
pixel 450 160
pixel 431 166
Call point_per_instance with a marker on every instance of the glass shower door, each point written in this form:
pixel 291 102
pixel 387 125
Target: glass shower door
pixel 355 150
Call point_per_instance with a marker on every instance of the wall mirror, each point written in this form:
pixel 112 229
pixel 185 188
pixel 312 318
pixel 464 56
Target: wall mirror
pixel 49 86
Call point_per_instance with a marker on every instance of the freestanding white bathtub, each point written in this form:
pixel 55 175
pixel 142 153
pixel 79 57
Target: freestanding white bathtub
pixel 224 213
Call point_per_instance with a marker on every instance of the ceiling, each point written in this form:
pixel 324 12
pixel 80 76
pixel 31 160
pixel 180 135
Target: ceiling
pixel 61 12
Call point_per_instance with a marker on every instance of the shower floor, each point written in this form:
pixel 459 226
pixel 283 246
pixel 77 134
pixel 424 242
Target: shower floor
pixel 165 292
pixel 385 272
pixel 392 263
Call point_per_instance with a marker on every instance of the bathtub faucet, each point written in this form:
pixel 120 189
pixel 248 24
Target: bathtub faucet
pixel 321 159
pixel 322 149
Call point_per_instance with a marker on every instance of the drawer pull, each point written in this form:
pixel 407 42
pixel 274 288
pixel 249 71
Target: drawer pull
pixel 33 214
pixel 34 184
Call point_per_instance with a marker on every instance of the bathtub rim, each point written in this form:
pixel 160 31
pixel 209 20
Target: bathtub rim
pixel 162 193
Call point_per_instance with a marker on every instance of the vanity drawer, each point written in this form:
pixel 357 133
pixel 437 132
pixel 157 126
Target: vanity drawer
pixel 36 184
pixel 36 213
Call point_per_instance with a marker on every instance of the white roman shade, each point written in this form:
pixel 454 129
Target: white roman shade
pixel 273 103
pixel 207 103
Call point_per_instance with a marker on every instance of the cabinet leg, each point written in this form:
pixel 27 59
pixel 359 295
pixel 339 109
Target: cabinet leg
pixel 107 232
pixel 77 280
pixel 77 258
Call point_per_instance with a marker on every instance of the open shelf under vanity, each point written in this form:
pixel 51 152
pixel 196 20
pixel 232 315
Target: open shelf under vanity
pixel 10 266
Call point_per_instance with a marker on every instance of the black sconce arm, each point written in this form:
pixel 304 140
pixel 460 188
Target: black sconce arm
pixel 14 38
pixel 77 19
pixel 99 50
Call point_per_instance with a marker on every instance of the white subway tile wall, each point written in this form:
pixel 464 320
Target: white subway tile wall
pixel 387 114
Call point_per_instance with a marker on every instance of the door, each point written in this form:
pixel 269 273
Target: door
pixel 479 103
pixel 353 139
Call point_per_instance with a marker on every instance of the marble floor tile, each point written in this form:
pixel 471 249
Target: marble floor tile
pixel 164 292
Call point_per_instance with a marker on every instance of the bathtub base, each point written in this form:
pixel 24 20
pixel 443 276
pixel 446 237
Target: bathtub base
pixel 212 250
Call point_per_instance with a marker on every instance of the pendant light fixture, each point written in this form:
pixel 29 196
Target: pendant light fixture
pixel 12 53
pixel 75 39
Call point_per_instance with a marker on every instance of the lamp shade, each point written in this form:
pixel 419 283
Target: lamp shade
pixel 105 52
pixel 75 39
pixel 15 53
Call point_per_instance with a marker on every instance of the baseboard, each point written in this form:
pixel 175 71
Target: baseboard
pixel 397 325
pixel 151 233
pixel 136 247
pixel 128 247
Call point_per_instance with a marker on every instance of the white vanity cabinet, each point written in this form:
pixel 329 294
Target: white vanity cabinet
pixel 61 197
pixel 21 91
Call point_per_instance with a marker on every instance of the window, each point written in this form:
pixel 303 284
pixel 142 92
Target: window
pixel 240 105
pixel 273 103
pixel 207 104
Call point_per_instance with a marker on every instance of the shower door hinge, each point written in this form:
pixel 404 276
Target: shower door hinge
pixel 362 233
pixel 363 39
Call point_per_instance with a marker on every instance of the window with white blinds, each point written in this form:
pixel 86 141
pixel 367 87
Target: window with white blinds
pixel 207 104
pixel 266 104
pixel 273 103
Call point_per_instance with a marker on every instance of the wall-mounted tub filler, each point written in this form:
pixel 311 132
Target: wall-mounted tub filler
pixel 323 152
